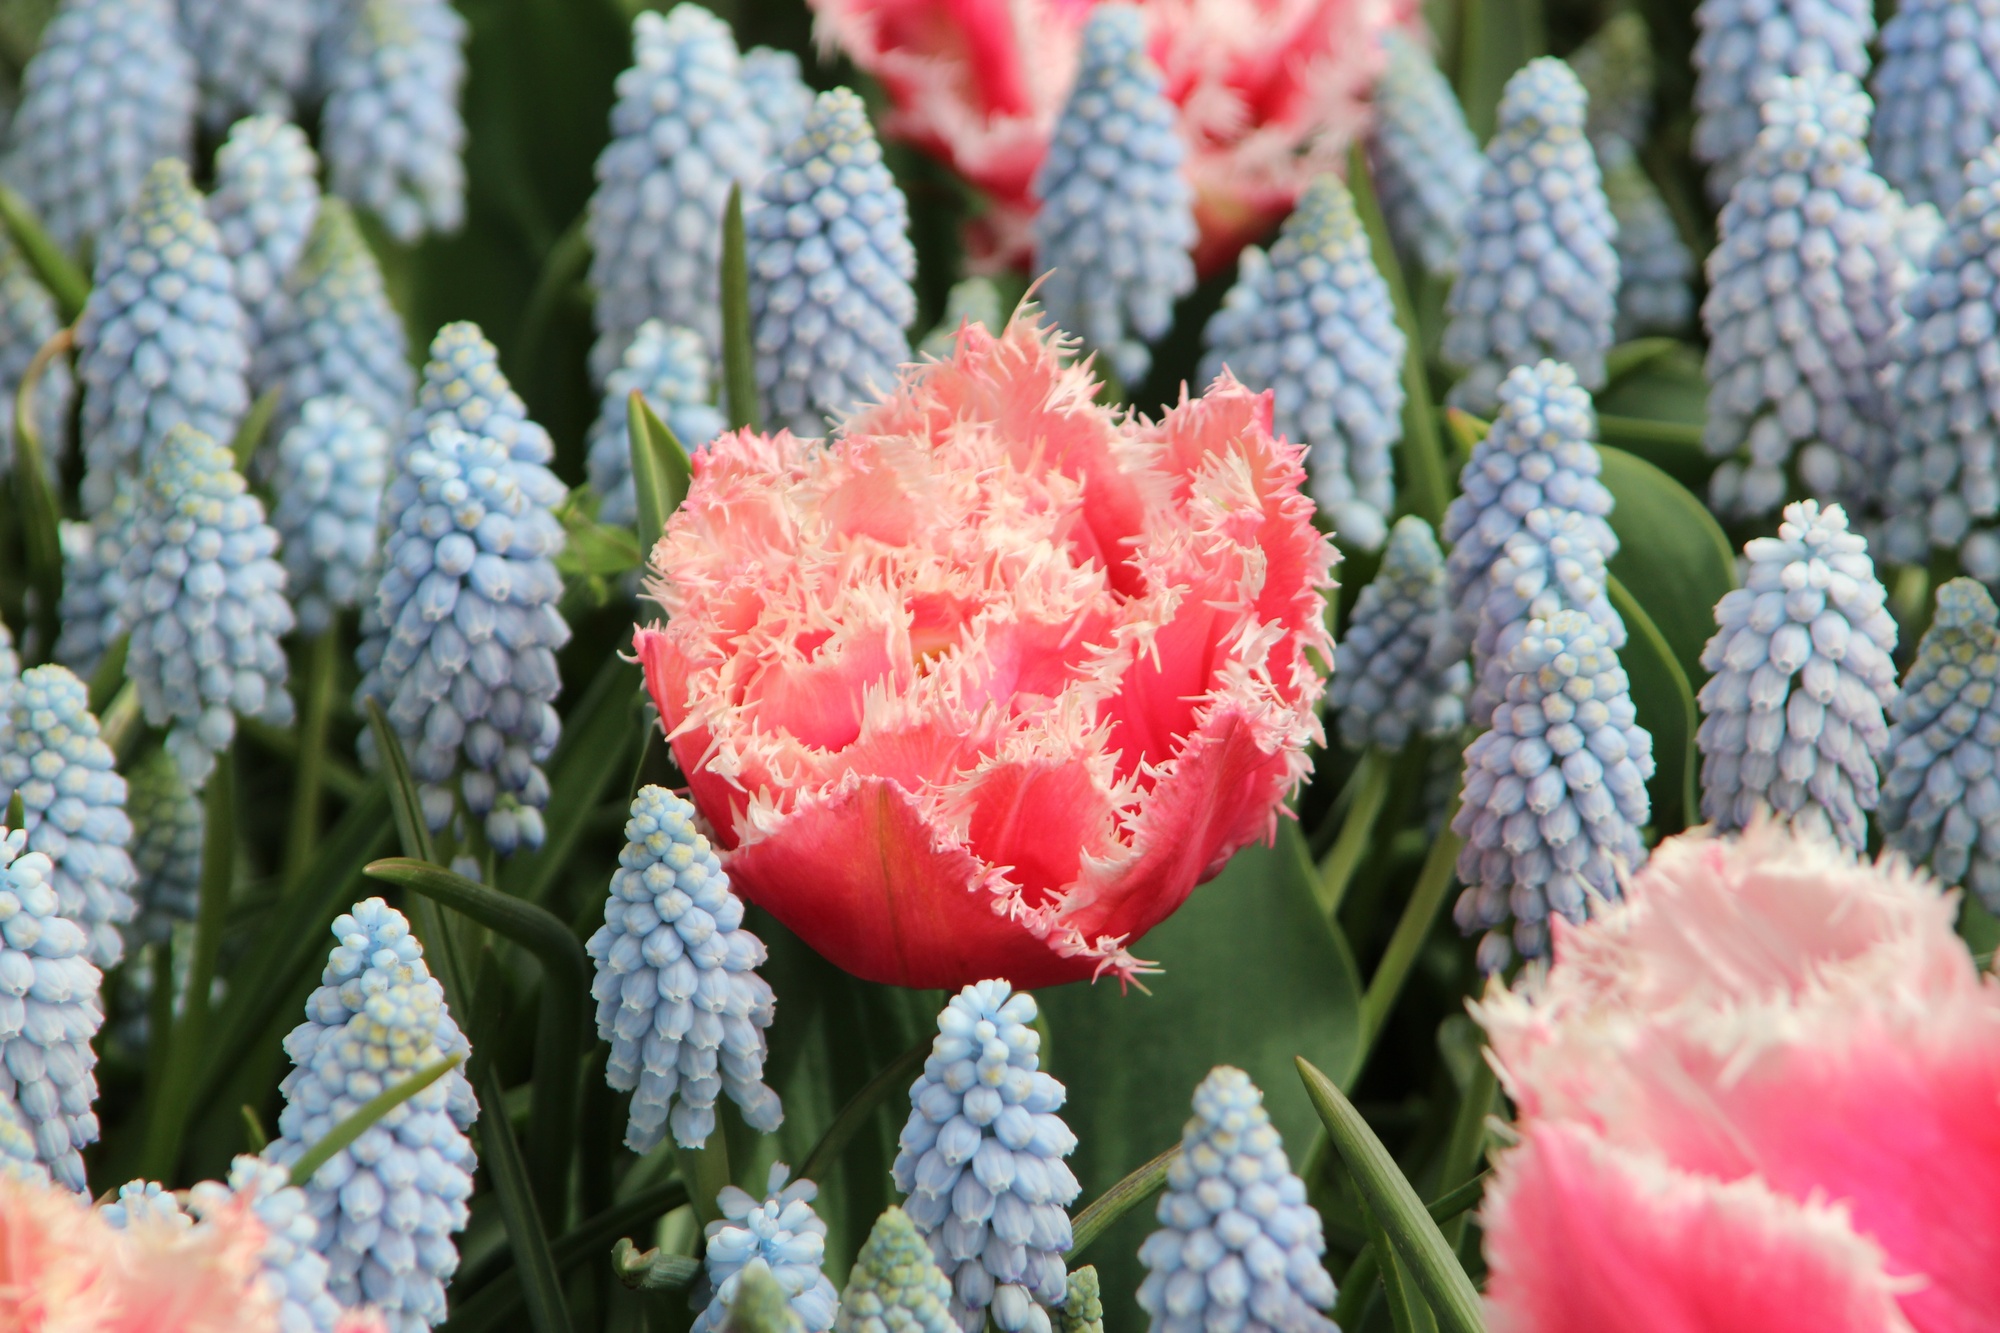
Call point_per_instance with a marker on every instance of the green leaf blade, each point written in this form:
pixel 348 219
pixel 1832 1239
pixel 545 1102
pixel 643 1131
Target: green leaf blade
pixel 739 366
pixel 369 1113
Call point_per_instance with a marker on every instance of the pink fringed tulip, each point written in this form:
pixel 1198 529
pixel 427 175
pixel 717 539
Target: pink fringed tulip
pixel 1769 1070
pixel 985 684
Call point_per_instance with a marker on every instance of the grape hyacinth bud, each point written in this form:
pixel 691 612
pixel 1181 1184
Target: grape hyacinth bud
pixel 27 321
pixel 1937 95
pixel 17 1149
pixel 205 600
pixel 1803 287
pixel 1743 48
pixel 294 1272
pixel 391 129
pixel 329 475
pixel 683 131
pixel 1555 793
pixel 1423 158
pixel 73 804
pixel 669 367
pixel 92 609
pixel 981 1161
pixel 1383 687
pixel 1655 267
pixel 1238 1245
pixel 1554 563
pixel 1615 66
pixel 1115 223
pixel 778 93
pixel 1538 273
pixel 784 1234
pixel 1792 716
pixel 1313 323
pixel 146 1201
pixel 49 1013
pixel 266 196
pixel 162 340
pixel 167 823
pixel 387 1204
pixel 1083 1308
pixel 109 92
pixel 896 1287
pixel 828 246
pixel 253 55
pixel 678 995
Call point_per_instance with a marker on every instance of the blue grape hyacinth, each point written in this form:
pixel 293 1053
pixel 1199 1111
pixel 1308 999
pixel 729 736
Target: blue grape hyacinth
pixel 330 471
pixel 1792 714
pixel 28 320
pixel 1383 689
pixel 17 1150
pixel 1740 51
pixel 677 991
pixel 785 1234
pixel 389 1203
pixel 1538 273
pixel 1554 563
pixel 1238 1245
pixel 146 1201
pixel 1313 323
pixel 73 803
pixel 253 55
pixel 1937 95
pixel 981 1159
pixel 265 199
pixel 391 129
pixel 830 259
pixel 895 1287
pixel 1555 793
pixel 293 1271
pixel 669 367
pixel 1115 222
pixel 778 92
pixel 1615 65
pixel 1655 266
pixel 108 93
pixel 1424 160
pixel 92 608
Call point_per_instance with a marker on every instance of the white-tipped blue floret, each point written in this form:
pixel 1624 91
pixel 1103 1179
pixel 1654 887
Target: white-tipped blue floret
pixel 1802 292
pixel 682 132
pixel 895 1286
pixel 1383 687
pixel 389 1203
pixel 677 991
pixel 1425 162
pixel 93 593
pixel 163 340
pixel 73 803
pixel 331 468
pixel 391 129
pixel 265 198
pixel 205 603
pixel 109 92
pixel 167 824
pixel 1539 455
pixel 1313 323
pixel 782 1231
pixel 670 369
pixel 778 92
pixel 1239 1247
pixel 1655 267
pixel 27 321
pixel 981 1159
pixel 49 1013
pixel 1743 47
pixel 1538 272
pixel 1801 671
pixel 293 1271
pixel 1937 95
pixel 1555 793
pixel 146 1202
pixel 1554 563
pixel 1115 222
pixel 17 1151
pixel 252 55
pixel 828 244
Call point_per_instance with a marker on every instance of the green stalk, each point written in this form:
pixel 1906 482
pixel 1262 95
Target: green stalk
pixel 1120 1199
pixel 706 1171
pixel 1419 915
pixel 38 513
pixel 65 281
pixel 309 769
pixel 739 371
pixel 1371 789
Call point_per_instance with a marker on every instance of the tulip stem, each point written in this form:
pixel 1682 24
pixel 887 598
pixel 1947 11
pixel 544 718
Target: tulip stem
pixel 1419 915
pixel 1357 832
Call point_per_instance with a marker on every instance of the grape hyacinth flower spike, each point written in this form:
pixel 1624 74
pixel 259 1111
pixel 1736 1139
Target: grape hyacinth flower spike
pixel 1083 1308
pixel 1554 563
pixel 1238 1245
pixel 678 995
pixel 778 94
pixel 1383 689
pixel 670 369
pixel 1792 716
pixel 17 1150
pixel 167 824
pixel 828 245
pixel 293 1271
pixel 981 1161
pixel 1313 323
pixel 330 471
pixel 1115 225
pixel 253 55
pixel 1423 159
pixel 896 1287
pixel 1743 47
pixel 27 321
pixel 265 199
pixel 391 130
pixel 785 1235
pixel 1937 96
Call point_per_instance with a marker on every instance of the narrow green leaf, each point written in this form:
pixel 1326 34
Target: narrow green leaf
pixel 65 281
pixel 110 674
pixel 366 1114
pixel 1467 430
pixel 1650 660
pixel 739 368
pixel 898 1074
pixel 120 724
pixel 1412 1233
pixel 540 1283
pixel 412 829
pixel 1419 915
pixel 1496 37
pixel 596 736
pixel 1119 1200
pixel 650 1270
pixel 1629 357
pixel 535 929
pixel 17 811
pixel 661 472
pixel 309 771
pixel 40 516
pixel 1408 1311
pixel 1371 789
pixel 1354 1283
pixel 255 426
pixel 254 1137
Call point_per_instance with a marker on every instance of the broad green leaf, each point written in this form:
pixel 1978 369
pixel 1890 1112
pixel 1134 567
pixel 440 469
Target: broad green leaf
pixel 1666 706
pixel 739 376
pixel 540 1282
pixel 661 472
pixel 1657 410
pixel 366 1114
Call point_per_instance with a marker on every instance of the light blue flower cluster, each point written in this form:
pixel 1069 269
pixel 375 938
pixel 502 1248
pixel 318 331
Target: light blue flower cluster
pixel 1555 793
pixel 1554 563
pixel 684 130
pixel 1313 323
pixel 1383 688
pixel 1655 267
pixel 784 1233
pixel 110 91
pixel 146 1201
pixel 1803 287
pixel 779 94
pixel 391 129
pixel 49 1013
pixel 1238 1245
pixel 293 1271
pixel 1743 47
pixel 330 471
pixel 162 340
pixel 1937 95
pixel 253 55
pixel 1538 274
pixel 205 602
pixel 1424 160
pixel 167 823
pixel 896 1287
pixel 669 367
pixel 830 259
pixel 1116 220
pixel 981 1161
pixel 388 1204
pixel 1941 797
pixel 28 320
pixel 1615 67
pixel 17 1150
pixel 677 991
pixel 93 592
pixel 73 803
pixel 1792 714
pixel 266 195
